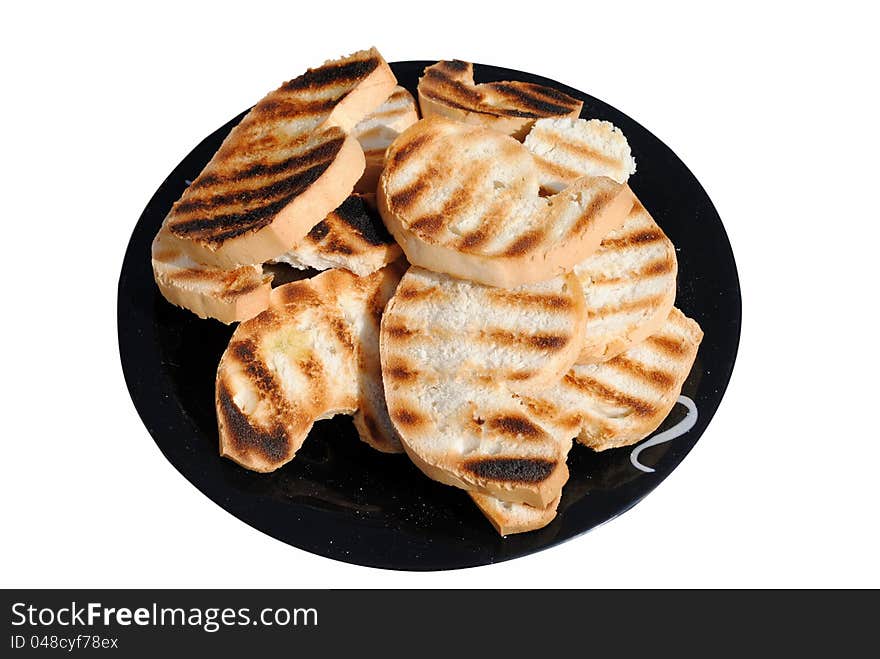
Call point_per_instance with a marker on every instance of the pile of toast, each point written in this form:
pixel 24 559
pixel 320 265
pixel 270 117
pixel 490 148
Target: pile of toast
pixel 492 289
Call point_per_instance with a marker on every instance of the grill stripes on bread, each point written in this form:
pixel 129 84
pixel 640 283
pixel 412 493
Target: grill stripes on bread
pixel 621 401
pixel 301 360
pixel 452 352
pixel 288 163
pixel 629 286
pixel 629 282
pixel 568 149
pixel 607 406
pixel 465 201
pixel 352 237
pixel 447 89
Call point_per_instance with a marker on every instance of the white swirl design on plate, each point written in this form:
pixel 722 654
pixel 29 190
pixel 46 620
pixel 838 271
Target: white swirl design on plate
pixel 676 431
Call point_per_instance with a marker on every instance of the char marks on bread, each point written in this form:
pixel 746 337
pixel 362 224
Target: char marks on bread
pixel 629 282
pixel 621 401
pixel 568 149
pixel 284 167
pixel 466 201
pixel 460 408
pixel 629 286
pixel 447 89
pixel 608 405
pixel 300 360
pixel 453 352
pixel 352 237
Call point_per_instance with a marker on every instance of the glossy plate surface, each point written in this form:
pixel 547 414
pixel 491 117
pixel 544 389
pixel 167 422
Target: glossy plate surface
pixel 339 498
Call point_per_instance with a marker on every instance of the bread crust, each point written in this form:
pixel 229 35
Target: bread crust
pixel 539 496
pixel 510 518
pixel 226 295
pixel 516 127
pixel 228 310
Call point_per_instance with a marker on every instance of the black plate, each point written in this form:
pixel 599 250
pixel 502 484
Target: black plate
pixel 343 500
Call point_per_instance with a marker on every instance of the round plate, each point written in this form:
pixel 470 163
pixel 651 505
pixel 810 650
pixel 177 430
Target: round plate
pixel 341 499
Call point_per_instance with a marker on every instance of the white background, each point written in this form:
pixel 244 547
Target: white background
pixel 775 111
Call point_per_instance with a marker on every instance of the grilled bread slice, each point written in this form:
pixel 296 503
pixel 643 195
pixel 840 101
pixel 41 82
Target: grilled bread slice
pixel 629 286
pixel 447 89
pixel 452 352
pixel 352 237
pixel 227 295
pixel 288 163
pixel 296 362
pixel 363 312
pixel 465 200
pixel 509 518
pixel 607 406
pixel 621 401
pixel 379 129
pixel 568 149
pixel 629 282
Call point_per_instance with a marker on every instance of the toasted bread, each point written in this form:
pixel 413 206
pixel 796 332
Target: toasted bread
pixel 629 286
pixel 378 130
pixel 297 362
pixel 371 419
pixel 452 352
pixel 227 295
pixel 352 237
pixel 465 200
pixel 629 281
pixel 289 163
pixel 607 406
pixel 568 149
pixel 621 401
pixel 447 89
pixel 509 518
